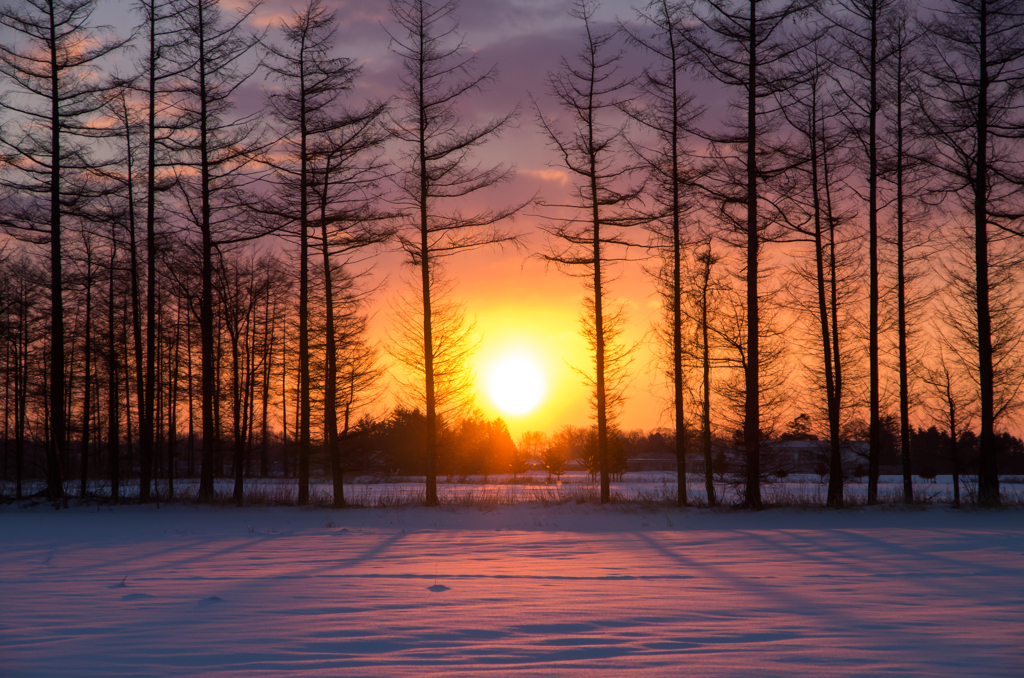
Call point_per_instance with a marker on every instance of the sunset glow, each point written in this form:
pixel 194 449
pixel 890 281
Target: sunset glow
pixel 516 384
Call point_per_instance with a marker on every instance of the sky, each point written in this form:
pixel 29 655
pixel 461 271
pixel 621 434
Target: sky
pixel 520 305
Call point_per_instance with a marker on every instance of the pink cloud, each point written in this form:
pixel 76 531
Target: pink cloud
pixel 555 176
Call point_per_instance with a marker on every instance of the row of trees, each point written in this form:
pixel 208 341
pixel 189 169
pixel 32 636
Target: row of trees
pixel 848 119
pixel 906 115
pixel 91 163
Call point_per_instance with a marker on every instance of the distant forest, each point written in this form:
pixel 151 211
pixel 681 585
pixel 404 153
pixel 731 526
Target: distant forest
pixel 185 285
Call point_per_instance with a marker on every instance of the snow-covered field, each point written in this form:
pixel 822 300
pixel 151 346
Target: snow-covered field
pixel 649 487
pixel 531 589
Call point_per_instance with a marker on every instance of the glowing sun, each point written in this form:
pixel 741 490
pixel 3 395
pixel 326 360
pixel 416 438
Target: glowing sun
pixel 516 384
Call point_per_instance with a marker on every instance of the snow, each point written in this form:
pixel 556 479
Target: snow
pixel 510 590
pixel 535 486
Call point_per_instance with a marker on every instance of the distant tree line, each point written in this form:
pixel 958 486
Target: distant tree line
pixel 185 285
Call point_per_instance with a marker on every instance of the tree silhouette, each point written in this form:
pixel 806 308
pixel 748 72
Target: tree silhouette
pixel 743 45
pixel 436 169
pixel 668 112
pixel 590 90
pixel 975 76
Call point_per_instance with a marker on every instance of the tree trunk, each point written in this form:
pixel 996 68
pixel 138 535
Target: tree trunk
pixel 209 392
pixel 709 475
pixel 237 425
pixel 425 263
pixel 268 366
pixel 21 399
pixel 752 410
pixel 953 451
pixel 87 399
pixel 835 478
pixel 874 425
pixel 901 304
pixel 304 408
pixel 174 369
pixel 988 477
pixel 331 368
pixel 284 400
pixel 113 388
pixel 57 434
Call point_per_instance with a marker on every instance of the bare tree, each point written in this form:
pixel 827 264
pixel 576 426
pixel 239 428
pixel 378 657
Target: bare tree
pixel 859 25
pixel 113 376
pixel 330 180
pixel 905 172
pixel 163 35
pixel 952 409
pixel 703 294
pixel 436 171
pixel 743 45
pixel 591 91
pixel 668 113
pixel 306 108
pixel 975 76
pixel 124 174
pixel 812 214
pixel 244 280
pixel 88 276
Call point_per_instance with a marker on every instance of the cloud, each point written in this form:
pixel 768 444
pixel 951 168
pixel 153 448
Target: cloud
pixel 555 176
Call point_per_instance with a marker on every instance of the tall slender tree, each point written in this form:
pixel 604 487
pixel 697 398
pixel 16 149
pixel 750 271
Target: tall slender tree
pixel 704 292
pixel 666 110
pixel 860 24
pixel 347 184
pixel 743 45
pixel 900 98
pixel 113 376
pixel 436 171
pixel 312 82
pixel 975 75
pixel 163 34
pixel 89 280
pixel 125 175
pixel 591 91
pixel 809 107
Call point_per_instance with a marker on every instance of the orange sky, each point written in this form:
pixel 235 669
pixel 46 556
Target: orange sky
pixel 522 306
pixel 519 304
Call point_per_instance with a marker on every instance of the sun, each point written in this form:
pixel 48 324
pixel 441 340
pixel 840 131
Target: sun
pixel 516 384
